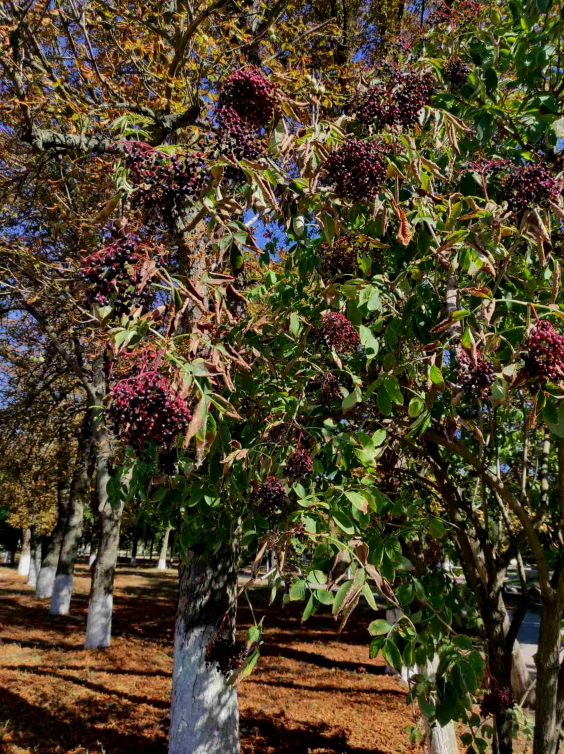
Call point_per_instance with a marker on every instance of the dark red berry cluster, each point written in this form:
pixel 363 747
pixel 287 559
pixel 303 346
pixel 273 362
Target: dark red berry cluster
pixel 341 256
pixel 226 654
pixel 432 553
pixel 338 333
pixel 483 166
pixel 162 179
pixel 299 464
pixel 330 390
pixel 148 408
pixel 235 138
pixel 356 170
pixel 112 276
pixel 268 496
pixel 479 376
pixel 457 72
pixel 496 701
pixel 544 357
pixel 527 185
pixel 251 95
pixel 395 101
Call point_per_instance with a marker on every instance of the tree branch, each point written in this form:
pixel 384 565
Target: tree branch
pixel 497 486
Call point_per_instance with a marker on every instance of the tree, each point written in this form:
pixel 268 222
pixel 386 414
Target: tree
pixel 415 223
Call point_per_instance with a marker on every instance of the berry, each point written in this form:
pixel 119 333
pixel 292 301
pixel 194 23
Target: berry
pixel 269 496
pixel 112 276
pixel 298 464
pixel 457 72
pixel 527 185
pixel 396 101
pixel 330 390
pixel 251 95
pixel 544 358
pixel 339 257
pixel 338 333
pixel 163 179
pixel 432 553
pixel 148 408
pixel 479 376
pixel 356 170
pixel 237 140
pixel 226 654
pixel 496 701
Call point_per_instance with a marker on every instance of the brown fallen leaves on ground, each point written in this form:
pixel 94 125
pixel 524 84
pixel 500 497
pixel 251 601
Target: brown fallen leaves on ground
pixel 313 691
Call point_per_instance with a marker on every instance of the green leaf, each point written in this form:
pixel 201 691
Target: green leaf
pixel 435 375
pixel 343 522
pixel 437 529
pixel 253 634
pixel 340 596
pixel 324 596
pixel 298 590
pixel 407 654
pixel 392 386
pixel 295 324
pixel 379 627
pixel 367 592
pixel 358 500
pixel 384 401
pixel 309 608
pixel 392 654
pixel 462 642
pixel 491 79
pixel 378 437
pixel 406 593
pixel 416 406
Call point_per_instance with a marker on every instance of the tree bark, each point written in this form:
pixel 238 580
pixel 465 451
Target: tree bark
pixel 25 555
pixel 35 559
pixel 152 547
pixel 547 721
pixel 205 710
pixel 134 546
pixel 100 606
pixel 62 590
pixel 46 580
pixel 161 566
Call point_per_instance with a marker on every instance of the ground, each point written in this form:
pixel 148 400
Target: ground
pixel 313 692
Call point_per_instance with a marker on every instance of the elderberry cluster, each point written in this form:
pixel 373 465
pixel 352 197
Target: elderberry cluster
pixel 478 376
pixel 299 464
pixel 544 357
pixel 148 408
pixel 338 333
pixel 163 179
pixel 235 138
pixel 112 278
pixel 226 654
pixel 457 72
pixel 339 257
pixel 432 554
pixel 356 170
pixel 496 701
pixel 529 184
pixel 269 496
pixel 330 390
pixel 396 101
pixel 251 95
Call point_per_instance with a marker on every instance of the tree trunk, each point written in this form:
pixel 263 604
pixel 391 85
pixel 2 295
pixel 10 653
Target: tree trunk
pixel 205 710
pixel 499 666
pixel 547 722
pixel 46 580
pixel 100 606
pixel 164 549
pixel 25 556
pixel 62 590
pixel 152 547
pixel 35 560
pixel 93 552
pixel 134 546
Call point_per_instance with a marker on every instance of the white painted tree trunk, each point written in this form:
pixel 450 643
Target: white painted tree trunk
pixel 46 582
pixel 25 557
pixel 92 557
pixel 161 566
pixel 440 739
pixel 35 561
pixel 62 589
pixel 205 710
